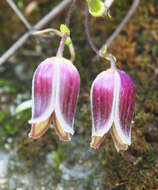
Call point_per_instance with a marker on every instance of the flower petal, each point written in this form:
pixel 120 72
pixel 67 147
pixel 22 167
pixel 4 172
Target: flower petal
pixel 102 104
pixel 43 90
pixel 117 141
pixel 124 108
pixel 68 85
pixel 37 130
pixel 64 136
pixel 97 141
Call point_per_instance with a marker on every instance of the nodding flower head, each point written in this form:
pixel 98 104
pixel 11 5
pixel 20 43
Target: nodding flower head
pixel 55 90
pixel 112 106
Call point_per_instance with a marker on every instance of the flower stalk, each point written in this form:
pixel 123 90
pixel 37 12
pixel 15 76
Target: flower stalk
pixel 64 37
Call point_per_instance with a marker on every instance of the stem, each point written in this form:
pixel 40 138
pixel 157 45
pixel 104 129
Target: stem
pixel 58 33
pixel 42 32
pixel 98 52
pixel 67 20
pixel 61 46
pixel 122 24
pixel 112 61
pixel 87 32
pixel 64 37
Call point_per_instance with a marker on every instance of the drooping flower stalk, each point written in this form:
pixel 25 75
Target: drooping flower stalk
pixel 87 31
pixel 67 23
pixel 102 53
pixel 112 61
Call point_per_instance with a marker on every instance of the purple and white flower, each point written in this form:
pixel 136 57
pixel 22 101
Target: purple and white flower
pixel 112 104
pixel 55 90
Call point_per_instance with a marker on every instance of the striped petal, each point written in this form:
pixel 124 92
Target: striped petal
pixel 102 106
pixel 43 90
pixel 68 85
pixel 124 108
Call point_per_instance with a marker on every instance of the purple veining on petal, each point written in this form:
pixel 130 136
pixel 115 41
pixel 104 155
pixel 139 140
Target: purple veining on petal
pixel 126 102
pixel 69 82
pixel 102 99
pixel 43 86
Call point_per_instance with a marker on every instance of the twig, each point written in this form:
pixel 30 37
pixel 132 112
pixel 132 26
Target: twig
pixel 58 33
pixel 120 27
pixel 48 30
pixel 123 23
pixel 38 26
pixel 107 3
pixel 68 16
pixel 20 15
pixel 14 47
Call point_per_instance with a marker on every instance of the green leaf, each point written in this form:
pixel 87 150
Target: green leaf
pixel 64 29
pixel 20 4
pixel 105 49
pixel 96 7
pixel 114 58
pixel 68 41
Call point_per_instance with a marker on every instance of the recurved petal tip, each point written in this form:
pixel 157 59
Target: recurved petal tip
pixel 119 145
pixel 97 141
pixel 37 130
pixel 63 136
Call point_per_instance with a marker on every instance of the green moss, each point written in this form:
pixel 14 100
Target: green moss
pixel 59 155
pixel 10 125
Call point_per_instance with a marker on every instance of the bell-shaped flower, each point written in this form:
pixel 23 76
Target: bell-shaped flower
pixel 55 90
pixel 112 106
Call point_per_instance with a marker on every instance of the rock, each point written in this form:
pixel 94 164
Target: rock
pixel 49 159
pixel 59 187
pixel 12 184
pixel 4 158
pixel 76 172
